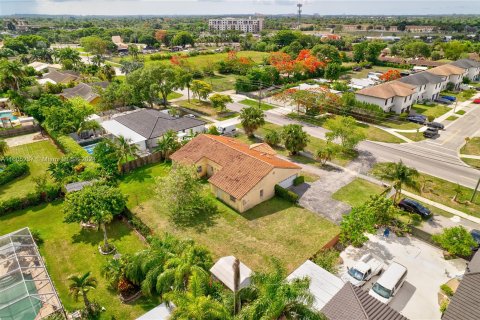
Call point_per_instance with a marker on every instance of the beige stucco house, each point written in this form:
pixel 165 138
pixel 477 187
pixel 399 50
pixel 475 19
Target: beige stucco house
pixel 240 175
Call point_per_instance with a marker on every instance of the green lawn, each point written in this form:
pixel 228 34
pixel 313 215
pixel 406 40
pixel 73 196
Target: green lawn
pixel 472 147
pixel 364 72
pixel 39 155
pixel 174 95
pixel 357 192
pixel 275 228
pixel 399 124
pixel 472 162
pixel 461 112
pixel 68 249
pixel 206 109
pixel 434 111
pixel 414 136
pixel 452 118
pixel 221 82
pixel 443 192
pixel 251 103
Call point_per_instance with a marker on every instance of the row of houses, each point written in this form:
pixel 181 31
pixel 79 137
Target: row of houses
pixel 399 95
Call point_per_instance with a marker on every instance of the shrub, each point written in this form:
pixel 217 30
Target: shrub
pixel 443 306
pixel 37 237
pixel 286 194
pixel 328 260
pixel 70 146
pixel 13 170
pixel 272 137
pixel 298 180
pixel 446 289
pixel 32 199
pixel 431 118
pixel 456 240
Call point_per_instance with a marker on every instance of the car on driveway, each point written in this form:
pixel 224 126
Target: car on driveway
pixel 476 236
pixel 363 270
pixel 451 98
pixel 417 118
pixel 443 101
pixel 430 133
pixel 389 283
pixel 414 207
pixel 436 125
pixel 476 101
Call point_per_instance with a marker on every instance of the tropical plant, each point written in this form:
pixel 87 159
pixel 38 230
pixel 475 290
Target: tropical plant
pixel 252 118
pixel 3 148
pixel 114 271
pixel 219 101
pixel 456 240
pixel 63 168
pixel 168 144
pixel 124 149
pixel 89 125
pixel 326 153
pixel 458 192
pixel 328 260
pixel 294 138
pixel 201 89
pixel 345 129
pixel 80 285
pixel 273 137
pixel 399 174
pixel 11 75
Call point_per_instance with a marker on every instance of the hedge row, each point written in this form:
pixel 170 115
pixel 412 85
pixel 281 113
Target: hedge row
pixel 50 193
pixel 12 171
pixel 286 194
pixel 298 180
pixel 137 223
pixel 70 146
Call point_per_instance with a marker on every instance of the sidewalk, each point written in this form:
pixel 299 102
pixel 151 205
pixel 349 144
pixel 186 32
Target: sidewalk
pixel 469 156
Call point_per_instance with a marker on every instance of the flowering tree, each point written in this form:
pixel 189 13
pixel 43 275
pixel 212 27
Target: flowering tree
pixel 309 62
pixel 303 63
pixel 390 75
pixel 282 62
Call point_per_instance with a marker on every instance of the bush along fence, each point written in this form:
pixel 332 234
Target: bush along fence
pixel 13 169
pixel 286 194
pixel 48 194
pixel 13 132
pixel 142 161
pixel 137 223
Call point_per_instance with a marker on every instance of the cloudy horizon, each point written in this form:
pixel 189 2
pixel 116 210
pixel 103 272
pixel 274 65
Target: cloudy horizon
pixel 226 7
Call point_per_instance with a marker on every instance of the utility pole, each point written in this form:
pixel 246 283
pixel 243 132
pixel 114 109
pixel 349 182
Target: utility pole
pixel 299 5
pixel 475 191
pixel 260 95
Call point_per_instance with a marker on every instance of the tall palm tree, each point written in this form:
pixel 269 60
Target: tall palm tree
pixel 124 149
pixel 88 125
pixel 80 285
pixel 271 296
pixel 3 148
pixel 236 286
pixel 168 144
pixel 11 74
pixel 400 175
pixel 252 118
pixel 108 72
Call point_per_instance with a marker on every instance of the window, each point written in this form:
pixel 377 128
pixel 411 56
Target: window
pixel 405 99
pixel 261 193
pixel 199 169
pixel 386 102
pixel 232 198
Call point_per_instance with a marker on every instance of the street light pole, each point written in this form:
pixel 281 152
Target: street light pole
pixel 475 191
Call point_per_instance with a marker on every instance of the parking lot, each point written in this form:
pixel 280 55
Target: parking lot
pixel 427 270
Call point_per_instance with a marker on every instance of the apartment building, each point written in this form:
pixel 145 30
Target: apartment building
pixel 452 74
pixel 428 85
pixel 250 25
pixel 393 96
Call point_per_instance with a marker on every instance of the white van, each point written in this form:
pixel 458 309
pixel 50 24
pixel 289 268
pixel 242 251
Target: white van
pixel 389 283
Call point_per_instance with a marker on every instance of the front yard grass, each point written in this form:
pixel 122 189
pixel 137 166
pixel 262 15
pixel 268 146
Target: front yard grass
pixel 443 192
pixel 414 136
pixel 275 228
pixel 472 162
pixel 431 111
pixel 461 112
pixel 399 124
pixel 472 147
pixel 205 108
pixel 39 156
pixel 452 118
pixel 221 82
pixel 357 192
pixel 253 103
pixel 67 249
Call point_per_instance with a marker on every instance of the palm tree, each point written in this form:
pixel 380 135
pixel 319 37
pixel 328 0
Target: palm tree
pixel 133 51
pixel 295 139
pixel 88 125
pixel 11 74
pixel 168 144
pixel 108 72
pixel 271 296
pixel 80 285
pixel 114 271
pixel 124 149
pixel 252 118
pixel 3 148
pixel 236 286
pixel 400 175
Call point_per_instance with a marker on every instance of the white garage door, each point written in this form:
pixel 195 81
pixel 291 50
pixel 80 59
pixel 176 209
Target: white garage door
pixel 287 183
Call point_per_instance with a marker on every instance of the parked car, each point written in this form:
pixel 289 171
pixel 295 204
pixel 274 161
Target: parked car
pixel 389 283
pixel 436 125
pixel 476 101
pixel 363 270
pixel 476 236
pixel 417 118
pixel 415 207
pixel 443 101
pixel 430 133
pixel 477 88
pixel 451 98
pixel 358 68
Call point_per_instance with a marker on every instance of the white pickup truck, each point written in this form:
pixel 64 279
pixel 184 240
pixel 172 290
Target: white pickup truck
pixel 367 267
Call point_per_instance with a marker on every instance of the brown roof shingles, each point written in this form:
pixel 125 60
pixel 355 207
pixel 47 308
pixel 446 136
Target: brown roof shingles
pixel 242 168
pixel 388 90
pixel 446 70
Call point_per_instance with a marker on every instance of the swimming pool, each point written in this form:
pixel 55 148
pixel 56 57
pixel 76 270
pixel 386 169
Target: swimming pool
pixel 89 148
pixel 7 114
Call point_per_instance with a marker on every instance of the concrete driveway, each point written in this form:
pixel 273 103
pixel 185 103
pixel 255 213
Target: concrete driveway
pixel 427 270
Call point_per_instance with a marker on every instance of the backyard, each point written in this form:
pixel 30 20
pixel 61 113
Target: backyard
pixel 67 249
pixel 364 72
pixel 39 155
pixel 275 228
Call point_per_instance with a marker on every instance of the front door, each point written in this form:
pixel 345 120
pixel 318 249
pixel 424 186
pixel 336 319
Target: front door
pixel 209 170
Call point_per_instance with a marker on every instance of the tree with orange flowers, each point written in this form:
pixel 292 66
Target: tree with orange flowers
pixel 303 63
pixel 309 62
pixel 390 75
pixel 282 62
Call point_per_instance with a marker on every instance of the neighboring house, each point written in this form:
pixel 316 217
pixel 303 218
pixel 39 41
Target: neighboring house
pixel 160 312
pixel 472 67
pixel 393 96
pixel 428 85
pixel 240 175
pixel 86 91
pixel 323 285
pixel 222 271
pixel 118 41
pixel 354 303
pixel 420 29
pixel 452 74
pixel 145 126
pixel 361 83
pixel 56 77
pixel 41 66
pixel 425 63
pixel 465 303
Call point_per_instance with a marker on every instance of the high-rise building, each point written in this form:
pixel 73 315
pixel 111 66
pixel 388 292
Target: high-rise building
pixel 250 25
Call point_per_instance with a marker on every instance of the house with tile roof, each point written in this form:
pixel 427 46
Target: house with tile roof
pixel 428 85
pixel 86 91
pixel 240 175
pixel 452 74
pixel 472 67
pixel 56 77
pixel 393 96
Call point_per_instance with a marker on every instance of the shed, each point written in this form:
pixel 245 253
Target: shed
pixel 222 270
pixel 77 186
pixel 323 285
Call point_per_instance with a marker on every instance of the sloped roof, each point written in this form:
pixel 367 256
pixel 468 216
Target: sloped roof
pixel 223 271
pixel 466 63
pixel 242 168
pixel 355 304
pixel 465 303
pixel 446 70
pixel 388 90
pixel 117 39
pixel 61 77
pixel 150 123
pixel 83 90
pixel 426 63
pixel 422 78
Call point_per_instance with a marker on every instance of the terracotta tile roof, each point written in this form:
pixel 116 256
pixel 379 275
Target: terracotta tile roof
pixel 388 90
pixel 242 167
pixel 446 70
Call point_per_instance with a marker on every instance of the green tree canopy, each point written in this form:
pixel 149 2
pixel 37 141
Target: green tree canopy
pixel 345 129
pixel 294 138
pixel 251 119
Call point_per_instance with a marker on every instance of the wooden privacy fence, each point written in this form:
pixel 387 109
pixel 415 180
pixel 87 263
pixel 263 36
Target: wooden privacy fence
pixel 19 131
pixel 142 161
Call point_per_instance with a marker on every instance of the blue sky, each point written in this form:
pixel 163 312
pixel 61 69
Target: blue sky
pixel 222 7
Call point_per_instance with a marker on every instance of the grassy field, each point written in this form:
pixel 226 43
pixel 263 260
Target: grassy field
pixel 68 249
pixel 39 155
pixel 414 136
pixel 253 103
pixel 472 162
pixel 275 228
pixel 443 192
pixel 357 192
pixel 472 147
pixel 221 82
pixel 206 109
pixel 435 110
pixel 364 72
